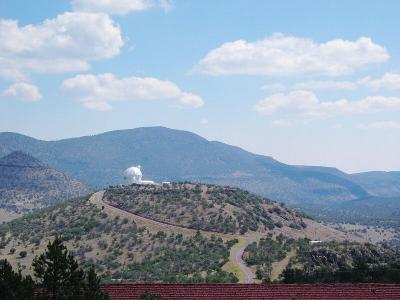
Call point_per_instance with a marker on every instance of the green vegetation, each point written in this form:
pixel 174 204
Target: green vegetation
pixel 185 261
pixel 343 262
pixel 14 286
pixel 266 252
pixel 326 262
pixel 204 207
pixel 117 247
pixel 59 277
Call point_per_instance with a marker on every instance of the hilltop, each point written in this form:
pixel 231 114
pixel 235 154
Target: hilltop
pixel 27 184
pixel 205 207
pixel 149 242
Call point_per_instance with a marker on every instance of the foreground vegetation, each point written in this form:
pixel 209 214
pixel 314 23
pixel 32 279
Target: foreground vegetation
pixel 57 274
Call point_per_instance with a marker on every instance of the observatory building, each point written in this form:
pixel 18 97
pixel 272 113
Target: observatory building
pixel 134 175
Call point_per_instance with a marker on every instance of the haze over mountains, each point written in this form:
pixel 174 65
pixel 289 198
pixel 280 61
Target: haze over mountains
pixel 26 184
pixel 174 155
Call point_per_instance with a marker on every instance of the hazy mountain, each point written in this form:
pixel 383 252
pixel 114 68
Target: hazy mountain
pixel 26 183
pixel 175 155
pixel 384 184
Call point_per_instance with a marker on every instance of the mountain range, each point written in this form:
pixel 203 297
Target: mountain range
pixel 174 155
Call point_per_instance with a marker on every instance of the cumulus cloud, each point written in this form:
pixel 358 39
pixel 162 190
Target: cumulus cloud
pixel 119 7
pixel 306 103
pixel 387 81
pixel 380 125
pixel 390 81
pixel 281 55
pixel 99 91
pixel 326 85
pixel 23 91
pixel 64 44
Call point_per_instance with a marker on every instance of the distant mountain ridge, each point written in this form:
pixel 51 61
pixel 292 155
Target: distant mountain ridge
pixel 26 184
pixel 174 155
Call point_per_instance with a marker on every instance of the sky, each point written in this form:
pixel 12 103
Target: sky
pixel 306 82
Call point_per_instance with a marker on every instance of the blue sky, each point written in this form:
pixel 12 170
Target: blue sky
pixel 307 82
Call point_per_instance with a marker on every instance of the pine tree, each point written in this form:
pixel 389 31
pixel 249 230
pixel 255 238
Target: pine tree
pixel 14 286
pixel 92 290
pixel 61 277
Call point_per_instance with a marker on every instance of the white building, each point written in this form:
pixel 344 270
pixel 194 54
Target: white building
pixel 134 175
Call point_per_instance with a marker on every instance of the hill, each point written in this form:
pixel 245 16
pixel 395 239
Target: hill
pixel 146 245
pixel 204 207
pixel 174 155
pixel 27 184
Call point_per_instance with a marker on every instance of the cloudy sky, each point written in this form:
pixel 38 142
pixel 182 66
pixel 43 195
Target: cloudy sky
pixel 307 82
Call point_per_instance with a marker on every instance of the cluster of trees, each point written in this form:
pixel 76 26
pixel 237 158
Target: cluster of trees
pixel 57 274
pixel 332 262
pixel 196 259
pixel 361 272
pixel 266 252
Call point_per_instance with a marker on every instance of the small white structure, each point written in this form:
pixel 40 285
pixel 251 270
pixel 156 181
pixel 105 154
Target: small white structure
pixel 315 242
pixel 134 175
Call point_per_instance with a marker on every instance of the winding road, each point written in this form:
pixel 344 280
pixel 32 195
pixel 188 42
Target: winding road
pixel 235 258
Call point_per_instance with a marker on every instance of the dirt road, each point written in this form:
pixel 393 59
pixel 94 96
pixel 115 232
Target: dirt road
pixel 236 263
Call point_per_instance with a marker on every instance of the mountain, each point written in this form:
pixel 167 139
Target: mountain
pixel 152 233
pixel 382 184
pixel 174 155
pixel 26 183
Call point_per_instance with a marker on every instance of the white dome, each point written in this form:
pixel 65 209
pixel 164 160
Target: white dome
pixel 134 174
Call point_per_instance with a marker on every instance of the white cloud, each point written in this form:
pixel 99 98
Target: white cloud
pixel 387 81
pixel 327 85
pixel 120 7
pixel 281 55
pixel 390 81
pixel 98 91
pixel 380 125
pixel 23 91
pixel 117 7
pixel 64 44
pixel 306 103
